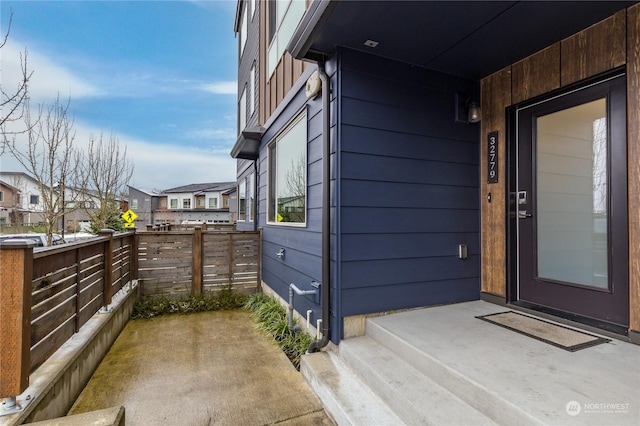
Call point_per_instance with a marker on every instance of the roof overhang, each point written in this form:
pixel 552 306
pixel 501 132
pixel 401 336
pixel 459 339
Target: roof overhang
pixel 248 144
pixel 466 38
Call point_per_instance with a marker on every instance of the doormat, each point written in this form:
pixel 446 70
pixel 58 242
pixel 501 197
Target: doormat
pixel 553 334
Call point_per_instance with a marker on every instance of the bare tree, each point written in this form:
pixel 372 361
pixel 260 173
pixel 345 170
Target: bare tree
pixel 46 151
pixel 107 173
pixel 12 100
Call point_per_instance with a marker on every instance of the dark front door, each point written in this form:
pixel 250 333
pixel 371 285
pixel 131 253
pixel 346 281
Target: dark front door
pixel 571 204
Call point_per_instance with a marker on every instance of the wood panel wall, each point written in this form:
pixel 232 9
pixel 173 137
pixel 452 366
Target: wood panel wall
pixel 597 49
pixel 495 94
pixel 606 45
pixel 633 152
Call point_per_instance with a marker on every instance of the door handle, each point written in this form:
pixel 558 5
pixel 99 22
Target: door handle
pixel 522 214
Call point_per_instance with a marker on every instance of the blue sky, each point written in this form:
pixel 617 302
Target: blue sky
pixel 160 75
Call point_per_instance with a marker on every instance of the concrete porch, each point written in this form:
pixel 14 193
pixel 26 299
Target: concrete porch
pixel 443 366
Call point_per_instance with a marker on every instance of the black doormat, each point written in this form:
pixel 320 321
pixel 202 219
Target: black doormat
pixel 553 334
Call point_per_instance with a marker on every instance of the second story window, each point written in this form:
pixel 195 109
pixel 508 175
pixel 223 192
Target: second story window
pixel 242 111
pixel 134 203
pixel 284 16
pixel 243 31
pixel 34 199
pixel 252 89
pixel 213 203
pixel 1 196
pixel 186 203
pixel 174 203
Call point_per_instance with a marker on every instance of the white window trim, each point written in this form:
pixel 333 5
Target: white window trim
pixel 242 187
pixel 242 111
pixel 243 30
pixel 251 196
pixel 297 119
pixel 252 87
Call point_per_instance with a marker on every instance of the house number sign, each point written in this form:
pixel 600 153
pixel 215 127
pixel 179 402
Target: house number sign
pixel 492 157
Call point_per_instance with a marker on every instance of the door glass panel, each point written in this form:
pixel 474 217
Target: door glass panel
pixel 571 183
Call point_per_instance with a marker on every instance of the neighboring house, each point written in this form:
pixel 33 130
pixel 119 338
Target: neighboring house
pixel 407 202
pixel 201 202
pixel 8 196
pixel 27 201
pixel 144 202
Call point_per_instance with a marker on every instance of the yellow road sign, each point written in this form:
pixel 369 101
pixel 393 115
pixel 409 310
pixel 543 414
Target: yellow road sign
pixel 129 216
pixel 130 225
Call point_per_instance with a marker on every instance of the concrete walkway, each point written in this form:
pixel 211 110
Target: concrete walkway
pixel 212 368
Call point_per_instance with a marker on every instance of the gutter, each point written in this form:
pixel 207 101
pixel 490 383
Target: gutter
pixel 316 345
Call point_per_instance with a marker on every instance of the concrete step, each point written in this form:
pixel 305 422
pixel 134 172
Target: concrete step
pixel 443 366
pixel 347 400
pixel 414 397
pixel 485 402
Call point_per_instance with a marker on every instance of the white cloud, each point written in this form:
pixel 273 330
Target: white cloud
pixel 156 165
pixel 228 135
pixel 47 79
pixel 221 87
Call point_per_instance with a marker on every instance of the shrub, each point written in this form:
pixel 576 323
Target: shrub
pixel 211 301
pixel 272 319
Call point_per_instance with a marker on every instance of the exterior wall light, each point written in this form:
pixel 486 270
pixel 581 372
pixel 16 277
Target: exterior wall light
pixel 475 114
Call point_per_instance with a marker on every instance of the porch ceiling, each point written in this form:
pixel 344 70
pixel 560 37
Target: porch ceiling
pixel 466 38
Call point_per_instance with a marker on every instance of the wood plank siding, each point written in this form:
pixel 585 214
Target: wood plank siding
pixel 537 74
pixel 273 88
pixel 495 95
pixel 633 141
pixel 605 46
pixel 408 193
pixel 597 49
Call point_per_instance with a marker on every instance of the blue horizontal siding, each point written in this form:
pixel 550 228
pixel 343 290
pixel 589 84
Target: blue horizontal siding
pixel 409 188
pixel 379 299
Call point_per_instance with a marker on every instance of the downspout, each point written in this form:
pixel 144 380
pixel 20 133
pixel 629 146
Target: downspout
pixel 316 345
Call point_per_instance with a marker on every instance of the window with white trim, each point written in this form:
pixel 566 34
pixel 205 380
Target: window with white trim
pixel 186 203
pixel 1 196
pixel 242 207
pixel 213 203
pixel 251 196
pixel 243 31
pixel 174 203
pixel 242 111
pixel 287 174
pixel 252 88
pixel 284 16
pixel 134 203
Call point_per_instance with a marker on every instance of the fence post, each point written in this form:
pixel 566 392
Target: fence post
pixel 16 275
pixel 260 259
pixel 149 227
pixel 230 258
pixel 108 268
pixel 78 288
pixel 196 269
pixel 133 263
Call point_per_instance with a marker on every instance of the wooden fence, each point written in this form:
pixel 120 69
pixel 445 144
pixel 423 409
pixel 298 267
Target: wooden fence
pixel 48 294
pixel 178 263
